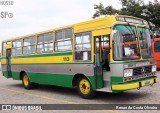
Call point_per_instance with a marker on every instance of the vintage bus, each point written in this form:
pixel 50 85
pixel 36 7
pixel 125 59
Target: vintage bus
pixel 156 51
pixel 110 54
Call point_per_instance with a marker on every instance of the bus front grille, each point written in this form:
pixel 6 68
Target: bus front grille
pixel 139 71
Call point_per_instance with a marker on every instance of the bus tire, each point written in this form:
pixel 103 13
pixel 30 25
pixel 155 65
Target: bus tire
pixel 26 82
pixel 85 89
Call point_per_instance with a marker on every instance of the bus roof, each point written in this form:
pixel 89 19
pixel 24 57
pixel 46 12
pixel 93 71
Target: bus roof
pixel 82 25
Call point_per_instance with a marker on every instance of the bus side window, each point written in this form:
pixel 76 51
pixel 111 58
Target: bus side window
pixel 45 43
pixel 157 46
pixel 63 40
pixel 4 49
pixel 29 45
pixel 83 46
pixel 16 47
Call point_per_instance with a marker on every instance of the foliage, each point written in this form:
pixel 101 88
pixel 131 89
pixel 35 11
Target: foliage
pixel 101 10
pixel 137 8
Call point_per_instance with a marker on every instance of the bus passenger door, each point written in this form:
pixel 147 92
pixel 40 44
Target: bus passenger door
pixel 98 72
pixel 8 62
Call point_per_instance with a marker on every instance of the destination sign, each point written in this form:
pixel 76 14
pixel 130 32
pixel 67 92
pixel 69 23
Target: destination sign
pixel 131 20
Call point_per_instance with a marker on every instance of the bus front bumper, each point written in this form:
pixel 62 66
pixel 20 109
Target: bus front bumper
pixel 134 85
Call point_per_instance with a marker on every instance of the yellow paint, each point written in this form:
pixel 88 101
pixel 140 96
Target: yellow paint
pixel 131 85
pixel 125 86
pixel 50 59
pixel 26 80
pixel 100 32
pixel 143 83
pixel 156 80
pixel 84 86
pixel 92 50
pixel 94 24
pixel 111 50
pixel 152 81
pixel 8 46
pixel 34 60
pixel 3 61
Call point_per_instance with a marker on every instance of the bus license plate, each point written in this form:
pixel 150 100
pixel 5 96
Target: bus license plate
pixel 147 83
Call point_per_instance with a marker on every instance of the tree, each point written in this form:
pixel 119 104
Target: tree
pixel 132 7
pixel 153 13
pixel 101 10
pixel 137 8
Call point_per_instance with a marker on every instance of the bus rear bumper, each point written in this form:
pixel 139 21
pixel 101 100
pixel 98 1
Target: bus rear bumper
pixel 134 85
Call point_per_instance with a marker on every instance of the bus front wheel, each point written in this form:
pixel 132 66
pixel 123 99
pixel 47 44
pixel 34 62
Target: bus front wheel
pixel 26 82
pixel 84 88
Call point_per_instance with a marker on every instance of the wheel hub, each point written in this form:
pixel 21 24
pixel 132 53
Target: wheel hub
pixel 84 86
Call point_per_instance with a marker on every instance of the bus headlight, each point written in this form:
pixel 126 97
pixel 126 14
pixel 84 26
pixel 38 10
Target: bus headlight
pixel 154 68
pixel 128 72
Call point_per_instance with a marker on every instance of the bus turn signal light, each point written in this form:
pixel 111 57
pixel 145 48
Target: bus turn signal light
pixel 128 79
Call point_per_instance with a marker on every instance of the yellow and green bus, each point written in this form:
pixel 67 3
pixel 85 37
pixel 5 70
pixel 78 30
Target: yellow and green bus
pixel 110 54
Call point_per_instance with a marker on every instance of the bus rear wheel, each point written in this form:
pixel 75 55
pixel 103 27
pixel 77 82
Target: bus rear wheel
pixel 84 88
pixel 26 82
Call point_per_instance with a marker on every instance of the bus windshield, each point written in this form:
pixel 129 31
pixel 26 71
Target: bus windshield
pixel 125 43
pixel 145 42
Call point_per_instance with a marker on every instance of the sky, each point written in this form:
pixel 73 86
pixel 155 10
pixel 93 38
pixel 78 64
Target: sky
pixel 32 16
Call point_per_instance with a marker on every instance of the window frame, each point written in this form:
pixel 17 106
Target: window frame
pixel 34 36
pixel 155 48
pixel 43 43
pixel 82 34
pixel 113 48
pixel 4 48
pixel 21 40
pixel 63 39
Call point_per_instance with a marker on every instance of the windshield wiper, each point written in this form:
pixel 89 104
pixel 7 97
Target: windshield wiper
pixel 133 33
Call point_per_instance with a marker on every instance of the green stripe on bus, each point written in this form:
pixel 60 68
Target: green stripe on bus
pixel 64 80
pixel 116 79
pixel 41 55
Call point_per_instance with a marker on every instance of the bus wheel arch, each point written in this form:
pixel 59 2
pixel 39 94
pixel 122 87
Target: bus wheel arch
pixel 21 74
pixel 25 78
pixel 76 79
